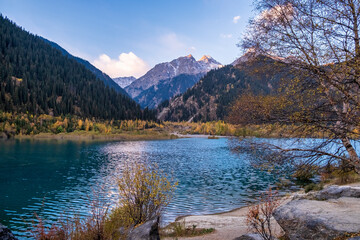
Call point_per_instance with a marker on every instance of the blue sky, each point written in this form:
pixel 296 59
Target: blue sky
pixel 128 37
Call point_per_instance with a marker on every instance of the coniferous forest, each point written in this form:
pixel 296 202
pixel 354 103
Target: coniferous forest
pixel 36 78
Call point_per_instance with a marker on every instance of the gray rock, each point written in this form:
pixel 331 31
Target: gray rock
pixel 251 236
pixel 3 136
pixel 354 238
pixel 146 231
pixel 313 219
pixel 6 234
pixel 335 192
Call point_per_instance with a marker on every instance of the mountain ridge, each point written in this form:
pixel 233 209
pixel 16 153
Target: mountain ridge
pixel 164 73
pixel 124 81
pixel 211 98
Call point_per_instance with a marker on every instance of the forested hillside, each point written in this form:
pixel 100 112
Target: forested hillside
pixel 210 99
pixel 38 79
pixel 99 74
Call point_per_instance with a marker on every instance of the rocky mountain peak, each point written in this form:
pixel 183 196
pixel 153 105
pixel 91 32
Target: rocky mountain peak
pixel 252 54
pixel 209 63
pixel 249 55
pixel 166 71
pixel 124 81
pixel 206 58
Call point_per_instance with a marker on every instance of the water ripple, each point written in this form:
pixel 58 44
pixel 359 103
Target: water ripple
pixel 57 179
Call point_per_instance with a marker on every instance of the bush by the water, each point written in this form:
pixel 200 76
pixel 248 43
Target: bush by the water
pixel 259 216
pixel 144 192
pixel 179 229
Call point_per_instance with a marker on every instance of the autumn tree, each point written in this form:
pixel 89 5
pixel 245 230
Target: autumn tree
pixel 319 40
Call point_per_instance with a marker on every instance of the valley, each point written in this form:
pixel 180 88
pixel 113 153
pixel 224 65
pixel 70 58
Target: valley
pixel 145 120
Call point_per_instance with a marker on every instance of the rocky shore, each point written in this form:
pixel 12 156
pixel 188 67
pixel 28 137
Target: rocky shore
pixel 332 213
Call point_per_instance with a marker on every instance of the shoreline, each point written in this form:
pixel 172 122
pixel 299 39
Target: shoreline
pixel 125 136
pixel 228 225
pixel 86 136
pixel 233 223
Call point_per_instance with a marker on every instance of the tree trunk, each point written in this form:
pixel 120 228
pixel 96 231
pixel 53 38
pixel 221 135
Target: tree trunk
pixel 354 158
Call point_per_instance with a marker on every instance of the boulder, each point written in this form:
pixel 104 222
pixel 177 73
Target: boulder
pixel 314 219
pixel 3 136
pixel 251 236
pixel 6 234
pixel 335 192
pixel 146 231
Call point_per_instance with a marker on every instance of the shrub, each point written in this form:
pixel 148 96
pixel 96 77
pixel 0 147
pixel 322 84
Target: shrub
pixel 259 215
pixel 179 229
pixel 145 193
pixel 304 174
pixel 313 187
pixel 59 129
pixel 76 227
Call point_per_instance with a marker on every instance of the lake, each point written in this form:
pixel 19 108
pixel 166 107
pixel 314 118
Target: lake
pixel 51 177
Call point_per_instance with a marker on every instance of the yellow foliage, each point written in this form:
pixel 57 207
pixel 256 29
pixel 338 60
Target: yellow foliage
pixel 80 124
pixel 146 191
pixel 87 125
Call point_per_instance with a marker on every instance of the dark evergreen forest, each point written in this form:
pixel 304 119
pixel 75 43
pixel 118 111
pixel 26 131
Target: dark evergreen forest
pixel 36 78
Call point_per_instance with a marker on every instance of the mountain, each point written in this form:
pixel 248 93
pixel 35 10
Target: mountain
pixel 37 78
pixel 212 96
pixel 124 81
pixel 251 55
pixel 166 89
pixel 98 73
pixel 158 84
pixel 208 63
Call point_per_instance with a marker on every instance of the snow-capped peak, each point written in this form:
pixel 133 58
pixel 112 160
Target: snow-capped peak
pixel 209 63
pixel 167 70
pixel 206 58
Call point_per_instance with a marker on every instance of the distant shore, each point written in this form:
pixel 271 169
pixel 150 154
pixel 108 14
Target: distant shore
pixel 125 136
pixel 89 136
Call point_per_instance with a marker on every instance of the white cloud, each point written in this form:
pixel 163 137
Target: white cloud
pixel 127 64
pixel 226 35
pixel 236 19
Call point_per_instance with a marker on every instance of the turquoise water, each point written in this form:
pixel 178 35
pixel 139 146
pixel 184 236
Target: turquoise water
pixel 52 177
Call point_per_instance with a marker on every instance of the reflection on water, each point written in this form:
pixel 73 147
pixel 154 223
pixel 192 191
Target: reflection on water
pixel 53 178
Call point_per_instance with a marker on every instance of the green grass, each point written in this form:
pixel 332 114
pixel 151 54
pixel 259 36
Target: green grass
pixel 179 229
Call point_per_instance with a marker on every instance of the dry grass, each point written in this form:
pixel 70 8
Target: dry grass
pixel 179 229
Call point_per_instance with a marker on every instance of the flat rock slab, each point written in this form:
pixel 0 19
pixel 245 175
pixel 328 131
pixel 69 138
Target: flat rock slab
pixel 334 192
pixel 228 225
pixel 313 219
pixel 249 237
